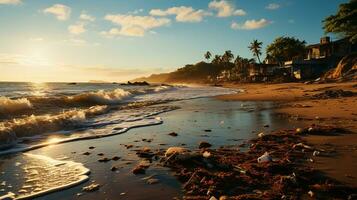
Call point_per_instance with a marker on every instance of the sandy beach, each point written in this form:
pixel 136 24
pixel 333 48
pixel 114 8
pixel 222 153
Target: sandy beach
pixel 301 102
pixel 227 123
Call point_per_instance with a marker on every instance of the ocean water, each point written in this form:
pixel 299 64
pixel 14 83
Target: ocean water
pixel 32 113
pixel 36 115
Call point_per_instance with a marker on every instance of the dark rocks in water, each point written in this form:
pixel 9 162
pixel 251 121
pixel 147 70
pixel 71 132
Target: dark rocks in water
pixel 139 169
pixel 137 83
pixel 91 147
pixel 115 158
pixel 266 125
pixel 113 168
pixel 86 153
pixel 128 146
pixel 91 188
pixel 72 83
pixel 173 134
pixel 145 153
pixel 100 154
pixel 105 159
pixel 147 140
pixel 204 144
pixel 208 130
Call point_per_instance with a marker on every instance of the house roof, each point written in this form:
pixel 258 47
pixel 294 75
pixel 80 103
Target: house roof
pixel 326 44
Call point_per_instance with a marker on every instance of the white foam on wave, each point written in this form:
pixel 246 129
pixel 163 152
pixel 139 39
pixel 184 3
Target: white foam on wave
pixel 101 97
pixel 32 125
pixel 43 175
pixel 8 105
pixel 185 93
pixel 111 126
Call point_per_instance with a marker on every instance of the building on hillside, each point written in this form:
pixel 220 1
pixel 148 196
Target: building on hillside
pixel 327 48
pixel 262 72
pixel 319 58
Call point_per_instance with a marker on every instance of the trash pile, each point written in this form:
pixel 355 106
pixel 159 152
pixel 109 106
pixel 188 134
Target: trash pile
pixel 273 166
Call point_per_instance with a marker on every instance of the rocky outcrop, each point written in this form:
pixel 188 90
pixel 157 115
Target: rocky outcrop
pixel 345 70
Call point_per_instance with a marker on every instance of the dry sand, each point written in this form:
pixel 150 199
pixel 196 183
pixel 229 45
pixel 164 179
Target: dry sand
pixel 296 102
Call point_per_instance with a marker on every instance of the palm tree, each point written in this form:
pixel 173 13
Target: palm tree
pixel 256 48
pixel 227 56
pixel 217 60
pixel 238 60
pixel 208 55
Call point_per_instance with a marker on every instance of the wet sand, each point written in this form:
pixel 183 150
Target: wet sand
pixel 296 102
pixel 230 123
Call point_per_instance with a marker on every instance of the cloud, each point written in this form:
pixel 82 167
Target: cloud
pixel 291 21
pixel 225 8
pixel 183 13
pixel 272 6
pixel 10 2
pixel 251 24
pixel 131 25
pixel 84 16
pixel 24 60
pixel 62 12
pixel 133 31
pixel 77 28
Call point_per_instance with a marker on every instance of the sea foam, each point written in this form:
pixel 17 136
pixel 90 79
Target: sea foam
pixel 43 175
pixel 32 125
pixel 100 97
pixel 8 105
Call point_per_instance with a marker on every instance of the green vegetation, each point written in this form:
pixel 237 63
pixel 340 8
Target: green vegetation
pixel 205 72
pixel 256 48
pixel 227 67
pixel 285 48
pixel 208 55
pixel 344 22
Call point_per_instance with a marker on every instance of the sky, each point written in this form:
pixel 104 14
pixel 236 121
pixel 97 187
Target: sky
pixel 118 40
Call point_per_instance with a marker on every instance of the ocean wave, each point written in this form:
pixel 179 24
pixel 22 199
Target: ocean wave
pixel 100 97
pixel 33 125
pixel 8 105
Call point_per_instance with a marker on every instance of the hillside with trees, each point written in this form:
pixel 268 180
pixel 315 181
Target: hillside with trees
pixel 230 68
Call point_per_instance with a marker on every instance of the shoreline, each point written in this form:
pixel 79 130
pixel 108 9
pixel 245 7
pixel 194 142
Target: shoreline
pixel 297 101
pixel 228 127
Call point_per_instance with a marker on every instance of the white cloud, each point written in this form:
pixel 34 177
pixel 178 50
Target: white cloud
pixel 251 24
pixel 24 60
pixel 183 13
pixel 291 21
pixel 77 28
pixel 10 2
pixel 84 16
pixel 272 6
pixel 131 25
pixel 225 8
pixel 133 31
pixel 62 12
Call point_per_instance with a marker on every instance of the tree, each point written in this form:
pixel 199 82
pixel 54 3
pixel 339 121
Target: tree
pixel 227 56
pixel 208 55
pixel 285 48
pixel 256 48
pixel 217 60
pixel 344 22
